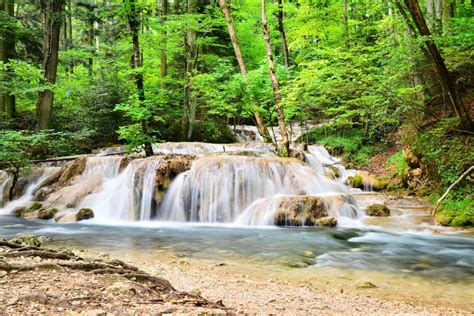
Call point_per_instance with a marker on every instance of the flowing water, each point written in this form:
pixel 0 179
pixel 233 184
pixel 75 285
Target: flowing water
pixel 222 209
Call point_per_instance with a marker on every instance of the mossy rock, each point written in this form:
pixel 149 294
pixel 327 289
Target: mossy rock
pixel 84 214
pixel 35 206
pixel 48 213
pixel 27 241
pixel 19 211
pixel 455 218
pixel 355 181
pixel 23 211
pixel 378 210
pixel 380 184
pixel 335 170
pixel 328 221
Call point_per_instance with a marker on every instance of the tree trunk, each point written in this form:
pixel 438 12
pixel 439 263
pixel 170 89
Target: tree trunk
pixel 52 20
pixel 441 69
pixel 163 57
pixel 281 28
pixel 285 149
pixel 134 24
pixel 191 61
pixel 7 52
pixel 262 128
pixel 345 23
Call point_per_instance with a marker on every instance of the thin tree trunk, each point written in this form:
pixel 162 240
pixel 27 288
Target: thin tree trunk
pixel 442 71
pixel 190 65
pixel 345 23
pixel 281 28
pixel 7 52
pixel 53 15
pixel 134 24
pixel 163 57
pixel 261 126
pixel 285 149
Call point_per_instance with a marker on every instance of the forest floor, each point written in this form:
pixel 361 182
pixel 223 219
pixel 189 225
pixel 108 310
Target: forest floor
pixel 60 291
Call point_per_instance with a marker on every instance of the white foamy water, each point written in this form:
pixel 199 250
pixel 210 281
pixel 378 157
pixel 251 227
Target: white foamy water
pixel 30 190
pixel 126 195
pixel 242 190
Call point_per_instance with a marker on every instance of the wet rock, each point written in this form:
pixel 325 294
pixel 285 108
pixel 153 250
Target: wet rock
pixel 66 218
pixel 19 211
pixel 46 214
pixel 366 285
pixel 26 211
pixel 298 264
pixel 379 210
pixel 309 254
pixel 61 178
pixel 299 210
pixel 169 168
pixel 84 214
pixel 355 181
pixel 27 241
pixel 328 221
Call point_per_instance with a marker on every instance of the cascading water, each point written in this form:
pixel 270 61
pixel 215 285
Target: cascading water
pixel 127 195
pixel 4 180
pixel 30 190
pixel 320 159
pixel 223 188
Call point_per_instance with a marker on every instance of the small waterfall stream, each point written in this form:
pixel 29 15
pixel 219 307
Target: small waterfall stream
pixel 226 188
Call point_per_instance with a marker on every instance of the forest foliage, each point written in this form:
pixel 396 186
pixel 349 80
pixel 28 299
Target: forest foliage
pixel 360 67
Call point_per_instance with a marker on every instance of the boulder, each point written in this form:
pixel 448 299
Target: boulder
pixel 47 213
pixel 26 241
pixel 84 214
pixel 328 221
pixel 379 210
pixel 299 210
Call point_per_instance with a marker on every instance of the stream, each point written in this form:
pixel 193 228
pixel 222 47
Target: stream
pixel 221 211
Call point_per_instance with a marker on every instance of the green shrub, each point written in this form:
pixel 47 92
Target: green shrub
pixel 456 213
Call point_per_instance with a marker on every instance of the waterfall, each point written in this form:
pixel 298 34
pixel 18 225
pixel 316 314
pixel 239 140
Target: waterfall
pixel 30 190
pixel 4 180
pixel 220 189
pixel 127 195
pixel 320 159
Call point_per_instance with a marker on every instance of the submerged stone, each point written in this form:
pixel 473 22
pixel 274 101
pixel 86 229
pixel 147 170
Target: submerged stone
pixel 379 210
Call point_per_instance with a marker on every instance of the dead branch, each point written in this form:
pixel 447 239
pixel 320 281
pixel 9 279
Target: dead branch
pixel 451 187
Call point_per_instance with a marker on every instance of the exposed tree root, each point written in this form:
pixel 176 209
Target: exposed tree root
pixel 41 254
pixel 161 289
